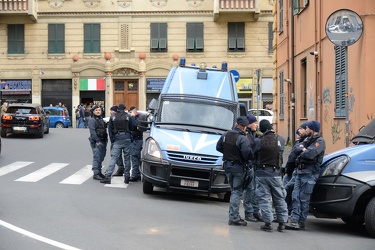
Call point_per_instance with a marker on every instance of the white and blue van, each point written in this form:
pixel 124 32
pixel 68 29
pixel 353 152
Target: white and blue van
pixel 197 104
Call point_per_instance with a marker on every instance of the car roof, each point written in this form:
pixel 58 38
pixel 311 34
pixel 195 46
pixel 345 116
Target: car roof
pixel 49 107
pixel 366 134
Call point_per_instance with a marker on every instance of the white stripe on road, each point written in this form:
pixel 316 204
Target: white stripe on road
pixel 117 182
pixel 79 177
pixel 13 167
pixel 43 172
pixel 37 237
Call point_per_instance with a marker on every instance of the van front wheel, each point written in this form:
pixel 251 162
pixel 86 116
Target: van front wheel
pixel 148 188
pixel 370 217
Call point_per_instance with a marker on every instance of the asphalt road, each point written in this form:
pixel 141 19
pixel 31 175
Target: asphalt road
pixel 43 207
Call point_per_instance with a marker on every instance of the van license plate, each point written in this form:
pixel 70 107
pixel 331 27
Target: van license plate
pixel 188 183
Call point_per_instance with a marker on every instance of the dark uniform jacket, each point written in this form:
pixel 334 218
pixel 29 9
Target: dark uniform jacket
pixel 311 159
pixel 296 150
pixel 98 130
pixel 236 155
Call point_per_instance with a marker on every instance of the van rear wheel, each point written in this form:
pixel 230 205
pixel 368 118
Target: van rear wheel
pixel 148 188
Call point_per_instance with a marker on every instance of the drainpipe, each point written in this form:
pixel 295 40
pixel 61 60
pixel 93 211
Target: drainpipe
pixel 292 77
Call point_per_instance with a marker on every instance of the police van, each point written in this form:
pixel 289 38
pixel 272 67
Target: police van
pixel 196 106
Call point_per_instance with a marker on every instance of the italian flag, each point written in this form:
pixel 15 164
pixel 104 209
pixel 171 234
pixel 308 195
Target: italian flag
pixel 92 84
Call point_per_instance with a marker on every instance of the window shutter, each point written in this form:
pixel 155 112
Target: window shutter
pixel 60 37
pixel 281 82
pixel 190 36
pixel 163 36
pixel 281 15
pixel 270 37
pixel 199 41
pixel 296 7
pixel 340 80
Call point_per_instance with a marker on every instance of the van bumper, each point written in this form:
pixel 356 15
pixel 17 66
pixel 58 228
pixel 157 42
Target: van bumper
pixel 186 178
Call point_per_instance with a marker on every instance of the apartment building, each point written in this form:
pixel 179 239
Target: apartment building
pixel 120 51
pixel 315 78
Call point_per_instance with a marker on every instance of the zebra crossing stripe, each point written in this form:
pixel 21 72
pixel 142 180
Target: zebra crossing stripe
pixel 14 166
pixel 43 172
pixel 79 177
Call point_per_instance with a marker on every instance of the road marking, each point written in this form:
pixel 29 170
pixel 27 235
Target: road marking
pixel 37 237
pixel 117 182
pixel 79 177
pixel 13 167
pixel 43 172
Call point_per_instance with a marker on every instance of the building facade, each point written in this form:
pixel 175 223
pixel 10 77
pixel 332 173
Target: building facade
pixel 90 51
pixel 316 79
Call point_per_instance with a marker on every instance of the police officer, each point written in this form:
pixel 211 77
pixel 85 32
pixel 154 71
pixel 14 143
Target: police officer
pixel 310 157
pixel 268 177
pixel 98 141
pixel 137 144
pixel 121 124
pixel 120 160
pixel 290 173
pixel 251 201
pixel 236 153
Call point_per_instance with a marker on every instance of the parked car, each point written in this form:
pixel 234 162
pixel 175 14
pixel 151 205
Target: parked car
pixel 263 114
pixel 58 117
pixel 25 118
pixel 346 186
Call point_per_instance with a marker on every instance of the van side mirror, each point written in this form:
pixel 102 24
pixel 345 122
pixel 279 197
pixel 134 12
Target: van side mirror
pixel 153 105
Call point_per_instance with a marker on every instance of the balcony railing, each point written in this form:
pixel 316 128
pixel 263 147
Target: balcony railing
pixel 236 10
pixel 19 8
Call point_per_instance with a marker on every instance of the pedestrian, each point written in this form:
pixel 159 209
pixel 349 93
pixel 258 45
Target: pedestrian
pixel 122 125
pixel 268 177
pixel 98 142
pixel 88 114
pixel 309 159
pixel 81 121
pixel 137 144
pixel 290 173
pixel 236 154
pixel 251 200
pixel 120 161
pixel 4 108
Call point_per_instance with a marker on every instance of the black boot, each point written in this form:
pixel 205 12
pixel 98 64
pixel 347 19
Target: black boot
pixel 126 180
pixel 106 180
pixel 266 227
pixel 119 172
pixel 281 227
pixel 97 177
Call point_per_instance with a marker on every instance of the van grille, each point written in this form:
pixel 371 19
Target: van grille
pixel 192 158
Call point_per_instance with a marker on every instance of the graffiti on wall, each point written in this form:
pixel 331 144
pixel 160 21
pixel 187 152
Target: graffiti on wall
pixel 327 101
pixel 336 132
pixel 351 101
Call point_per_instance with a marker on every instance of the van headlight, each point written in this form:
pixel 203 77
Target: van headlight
pixel 152 150
pixel 335 166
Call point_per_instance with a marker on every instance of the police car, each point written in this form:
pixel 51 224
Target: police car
pixel 346 186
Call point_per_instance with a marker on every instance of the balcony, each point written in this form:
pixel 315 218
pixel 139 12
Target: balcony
pixel 236 10
pixel 24 11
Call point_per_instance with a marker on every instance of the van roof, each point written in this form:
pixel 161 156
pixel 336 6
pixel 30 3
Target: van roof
pixel 184 80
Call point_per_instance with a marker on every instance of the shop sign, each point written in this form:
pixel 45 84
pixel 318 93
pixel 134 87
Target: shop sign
pixel 16 85
pixel 154 85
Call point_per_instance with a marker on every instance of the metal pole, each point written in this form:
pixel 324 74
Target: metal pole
pixel 258 92
pixel 346 100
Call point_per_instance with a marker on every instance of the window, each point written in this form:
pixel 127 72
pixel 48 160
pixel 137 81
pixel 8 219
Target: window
pixel 281 15
pixel 158 37
pixel 194 37
pixel 304 88
pixel 16 39
pixel 236 36
pixel 299 5
pixel 281 81
pixel 270 37
pixel 91 38
pixel 56 38
pixel 341 77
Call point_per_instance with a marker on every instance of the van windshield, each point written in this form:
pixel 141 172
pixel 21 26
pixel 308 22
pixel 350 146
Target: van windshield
pixel 205 114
